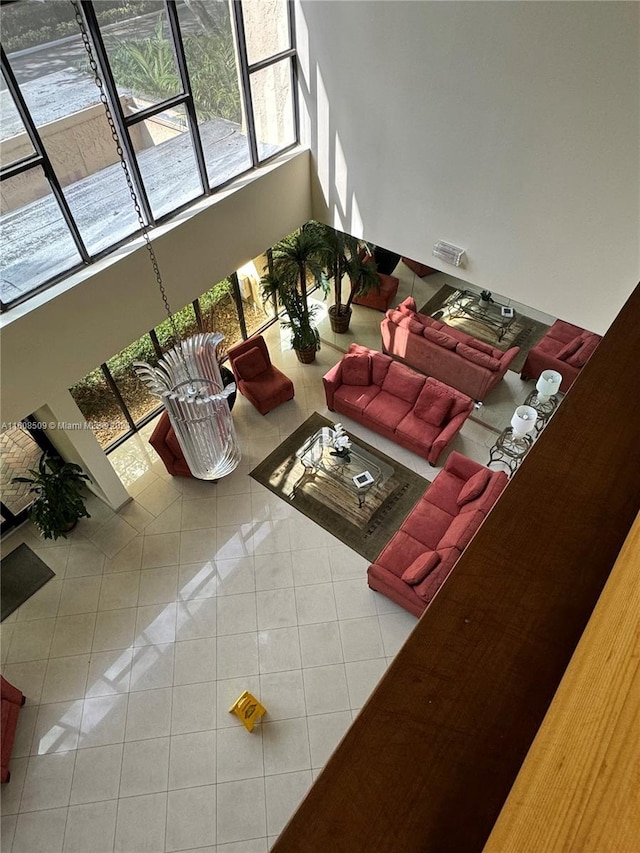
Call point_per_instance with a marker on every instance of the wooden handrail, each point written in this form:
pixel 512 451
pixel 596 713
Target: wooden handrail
pixel 430 760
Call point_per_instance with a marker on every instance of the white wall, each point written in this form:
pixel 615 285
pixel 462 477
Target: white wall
pixel 509 129
pixel 53 340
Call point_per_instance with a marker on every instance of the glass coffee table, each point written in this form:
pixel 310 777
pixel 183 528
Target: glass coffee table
pixel 465 303
pixel 358 476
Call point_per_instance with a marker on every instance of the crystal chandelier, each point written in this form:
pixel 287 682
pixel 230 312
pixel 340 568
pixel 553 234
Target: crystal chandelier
pixel 187 378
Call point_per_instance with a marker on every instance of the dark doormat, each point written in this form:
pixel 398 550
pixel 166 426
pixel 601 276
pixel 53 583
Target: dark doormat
pixel 21 574
pixel 368 529
pixel 524 332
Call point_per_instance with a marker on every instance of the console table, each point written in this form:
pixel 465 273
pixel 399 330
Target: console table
pixel 509 450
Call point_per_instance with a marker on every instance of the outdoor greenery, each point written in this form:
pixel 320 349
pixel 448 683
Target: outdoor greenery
pixel 148 67
pixel 30 24
pixel 57 486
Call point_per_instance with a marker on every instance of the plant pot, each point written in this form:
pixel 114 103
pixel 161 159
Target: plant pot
pixel 484 303
pixel 339 322
pixel 306 356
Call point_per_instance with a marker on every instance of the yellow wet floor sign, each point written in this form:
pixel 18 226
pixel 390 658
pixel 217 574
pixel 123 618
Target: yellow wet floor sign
pixel 248 710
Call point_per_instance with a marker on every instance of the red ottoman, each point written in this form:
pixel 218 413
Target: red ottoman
pixel 421 270
pixel 380 299
pixel 12 700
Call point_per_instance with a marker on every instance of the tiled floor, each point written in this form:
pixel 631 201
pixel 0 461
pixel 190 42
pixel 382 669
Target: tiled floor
pixel 161 615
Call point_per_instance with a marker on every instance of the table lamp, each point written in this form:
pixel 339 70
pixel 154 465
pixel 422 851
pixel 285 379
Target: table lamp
pixel 548 384
pixel 523 421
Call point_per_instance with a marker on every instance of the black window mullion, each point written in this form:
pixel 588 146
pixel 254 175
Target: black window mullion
pixel 237 298
pixel 246 83
pixel 272 60
pixel 198 312
pixel 116 393
pixel 49 172
pixel 192 118
pixel 294 68
pixel 19 166
pixel 156 343
pixel 155 109
pixel 116 109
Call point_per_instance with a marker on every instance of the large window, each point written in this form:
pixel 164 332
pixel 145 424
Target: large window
pixel 200 93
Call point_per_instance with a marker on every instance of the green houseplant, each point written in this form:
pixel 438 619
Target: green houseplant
pixel 296 259
pixel 344 255
pixel 58 488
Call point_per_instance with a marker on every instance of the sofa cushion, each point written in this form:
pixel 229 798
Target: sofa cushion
pixel 250 364
pixel 481 358
pixel 461 530
pixel 483 347
pixel 474 486
pixel 569 348
pixel 410 323
pixel 442 339
pixel 401 550
pixel 421 566
pixel 428 587
pixel 379 367
pixel 387 409
pixel 563 331
pixel 357 397
pixel 409 305
pixel 459 403
pixel 417 431
pixel 395 315
pixel 356 369
pixel 403 382
pixel 427 523
pixel 433 405
pixel 584 353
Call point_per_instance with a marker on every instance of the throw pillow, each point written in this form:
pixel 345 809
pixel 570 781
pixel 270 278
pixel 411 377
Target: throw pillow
pixel 433 405
pixel 403 382
pixel 474 486
pixel 439 338
pixel 356 369
pixel 379 367
pixel 420 568
pixel 411 324
pixel 580 358
pixel 569 349
pixel 408 306
pixel 250 364
pixel 478 357
pixel 480 345
pixel 395 316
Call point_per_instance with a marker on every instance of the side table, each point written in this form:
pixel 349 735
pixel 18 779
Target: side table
pixel 509 450
pixel 544 409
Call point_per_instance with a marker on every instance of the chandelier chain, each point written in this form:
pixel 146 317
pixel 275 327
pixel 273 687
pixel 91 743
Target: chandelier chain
pixel 125 168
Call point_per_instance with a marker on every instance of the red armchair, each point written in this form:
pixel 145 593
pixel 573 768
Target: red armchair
pixel 258 380
pixel 164 442
pixel 12 700
pixel 565 348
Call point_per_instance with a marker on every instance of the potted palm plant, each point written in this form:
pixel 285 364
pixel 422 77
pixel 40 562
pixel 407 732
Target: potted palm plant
pixel 296 259
pixel 59 503
pixel 346 255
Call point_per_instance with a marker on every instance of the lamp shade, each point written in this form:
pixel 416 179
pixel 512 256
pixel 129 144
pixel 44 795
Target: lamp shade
pixel 524 420
pixel 549 383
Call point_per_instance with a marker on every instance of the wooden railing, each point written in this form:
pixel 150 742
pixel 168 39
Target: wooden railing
pixel 429 761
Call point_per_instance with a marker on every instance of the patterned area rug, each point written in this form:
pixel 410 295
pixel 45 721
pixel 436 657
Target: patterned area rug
pixel 367 529
pixel 524 332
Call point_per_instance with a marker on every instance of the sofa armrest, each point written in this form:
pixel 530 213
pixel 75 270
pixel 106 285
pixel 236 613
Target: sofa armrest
pixel 462 466
pixel 447 435
pixel 332 380
pixel 9 693
pixel 507 358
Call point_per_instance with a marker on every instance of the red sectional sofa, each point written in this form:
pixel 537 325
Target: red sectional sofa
pixel 450 355
pixel 11 700
pixel 565 348
pixel 417 412
pixel 418 559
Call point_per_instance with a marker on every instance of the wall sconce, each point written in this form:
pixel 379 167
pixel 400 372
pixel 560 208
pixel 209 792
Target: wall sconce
pixel 448 252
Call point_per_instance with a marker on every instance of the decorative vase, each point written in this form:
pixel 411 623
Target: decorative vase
pixel 339 321
pixel 306 356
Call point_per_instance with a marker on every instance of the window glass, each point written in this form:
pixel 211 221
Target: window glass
pixel 63 100
pixel 16 143
pixel 186 325
pixel 137 397
pixel 140 50
pixel 209 47
pixel 36 244
pixel 20 454
pixel 272 96
pixel 266 26
pixel 256 312
pixel 100 407
pixel 167 160
pixel 219 314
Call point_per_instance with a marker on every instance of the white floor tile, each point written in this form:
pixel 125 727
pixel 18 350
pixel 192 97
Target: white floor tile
pixel 29 675
pixel 155 624
pixel 73 635
pixel 195 660
pixel 152 667
pixel 354 599
pixel 311 566
pixel 194 708
pixel 96 775
pixel 85 558
pixel 325 689
pixel 31 640
pixel 140 824
pixel 160 549
pixel 235 576
pixel 362 677
pixel 109 673
pixel 157 497
pixel 66 678
pixel 239 754
pixel 57 727
pixel 40 832
pixel 361 638
pixel 43 604
pixel 241 810
pixel 236 614
pixel 48 781
pixel 276 608
pixel 79 595
pixel 282 694
pixel 91 827
pixel 198 514
pixel 192 760
pixel 198 580
pixel 320 644
pixel 315 603
pixel 279 649
pixel 196 619
pixel 237 655
pixel 395 628
pixel 273 571
pixel 286 746
pixel 149 714
pixel 191 818
pixel 24 731
pixel 119 590
pixel 145 767
pixel 103 721
pixel 284 793
pixel 197 545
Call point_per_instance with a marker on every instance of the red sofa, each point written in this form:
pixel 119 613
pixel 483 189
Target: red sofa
pixel 11 700
pixel 450 355
pixel 417 412
pixel 565 348
pixel 164 442
pixel 418 559
pixel 258 380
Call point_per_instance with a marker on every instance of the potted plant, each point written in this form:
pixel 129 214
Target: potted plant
pixel 485 299
pixel 345 255
pixel 294 259
pixel 58 488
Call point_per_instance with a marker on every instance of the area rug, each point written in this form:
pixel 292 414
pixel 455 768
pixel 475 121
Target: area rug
pixel 524 332
pixel 368 529
pixel 21 574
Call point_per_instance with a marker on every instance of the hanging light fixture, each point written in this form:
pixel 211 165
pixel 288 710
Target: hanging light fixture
pixel 187 378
